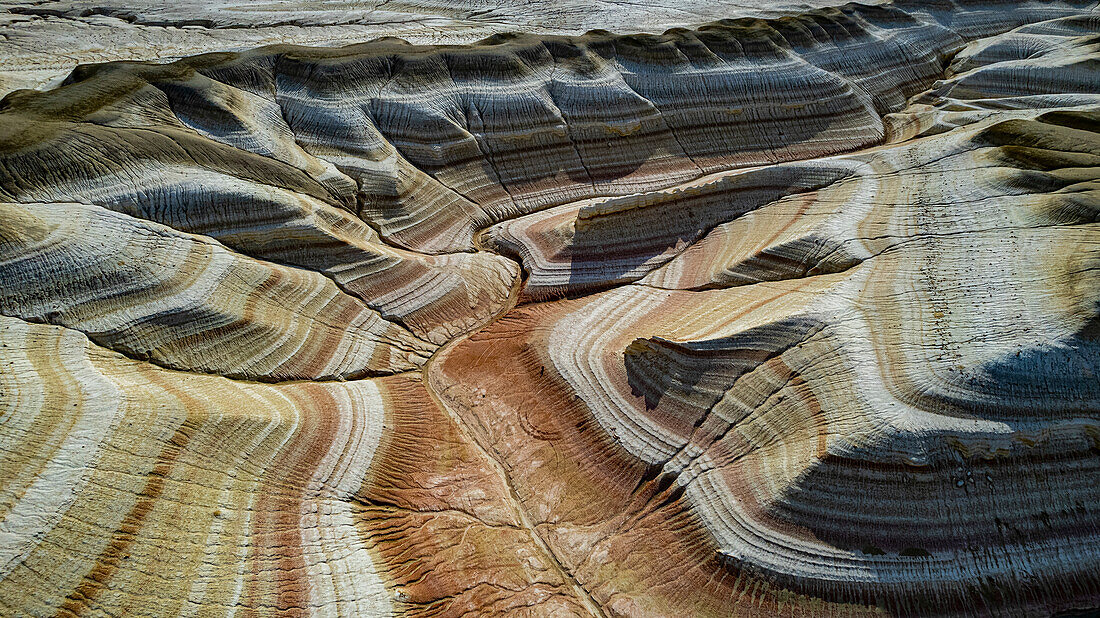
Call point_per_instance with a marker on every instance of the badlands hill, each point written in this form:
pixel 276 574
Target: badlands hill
pixel 786 314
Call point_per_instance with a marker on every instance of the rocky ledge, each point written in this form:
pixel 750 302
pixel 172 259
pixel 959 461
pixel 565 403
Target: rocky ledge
pixel 785 316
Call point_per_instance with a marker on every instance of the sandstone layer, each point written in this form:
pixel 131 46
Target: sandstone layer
pixel 783 316
pixel 45 39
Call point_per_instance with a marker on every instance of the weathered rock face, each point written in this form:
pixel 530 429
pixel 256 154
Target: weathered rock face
pixel 45 39
pixel 791 317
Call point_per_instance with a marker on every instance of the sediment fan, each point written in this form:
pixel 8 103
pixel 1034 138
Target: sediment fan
pixel 790 317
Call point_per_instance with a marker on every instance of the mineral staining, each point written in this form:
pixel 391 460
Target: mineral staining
pixel 794 316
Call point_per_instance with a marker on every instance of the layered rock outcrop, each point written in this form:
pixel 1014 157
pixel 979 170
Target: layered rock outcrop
pixel 777 317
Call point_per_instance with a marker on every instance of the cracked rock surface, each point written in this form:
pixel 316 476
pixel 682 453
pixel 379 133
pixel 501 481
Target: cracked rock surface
pixel 41 41
pixel 674 309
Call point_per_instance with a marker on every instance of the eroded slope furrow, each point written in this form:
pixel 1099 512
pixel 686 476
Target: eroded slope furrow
pixel 896 427
pixel 804 324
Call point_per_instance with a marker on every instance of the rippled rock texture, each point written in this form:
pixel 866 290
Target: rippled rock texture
pixel 768 317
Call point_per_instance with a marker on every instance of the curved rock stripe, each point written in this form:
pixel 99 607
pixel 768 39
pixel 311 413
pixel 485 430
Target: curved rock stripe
pixel 869 434
pixel 135 156
pixel 187 302
pixel 1042 66
pixel 437 139
pixel 997 177
pixel 847 365
pixel 150 491
pixel 129 488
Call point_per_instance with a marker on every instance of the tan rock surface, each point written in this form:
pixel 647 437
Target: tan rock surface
pixel 766 317
pixel 45 39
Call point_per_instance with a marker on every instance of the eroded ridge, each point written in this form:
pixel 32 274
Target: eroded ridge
pixel 779 317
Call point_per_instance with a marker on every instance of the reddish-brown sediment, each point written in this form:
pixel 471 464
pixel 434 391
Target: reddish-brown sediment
pixel 787 317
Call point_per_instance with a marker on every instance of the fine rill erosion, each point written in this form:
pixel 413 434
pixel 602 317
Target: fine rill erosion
pixel 786 316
